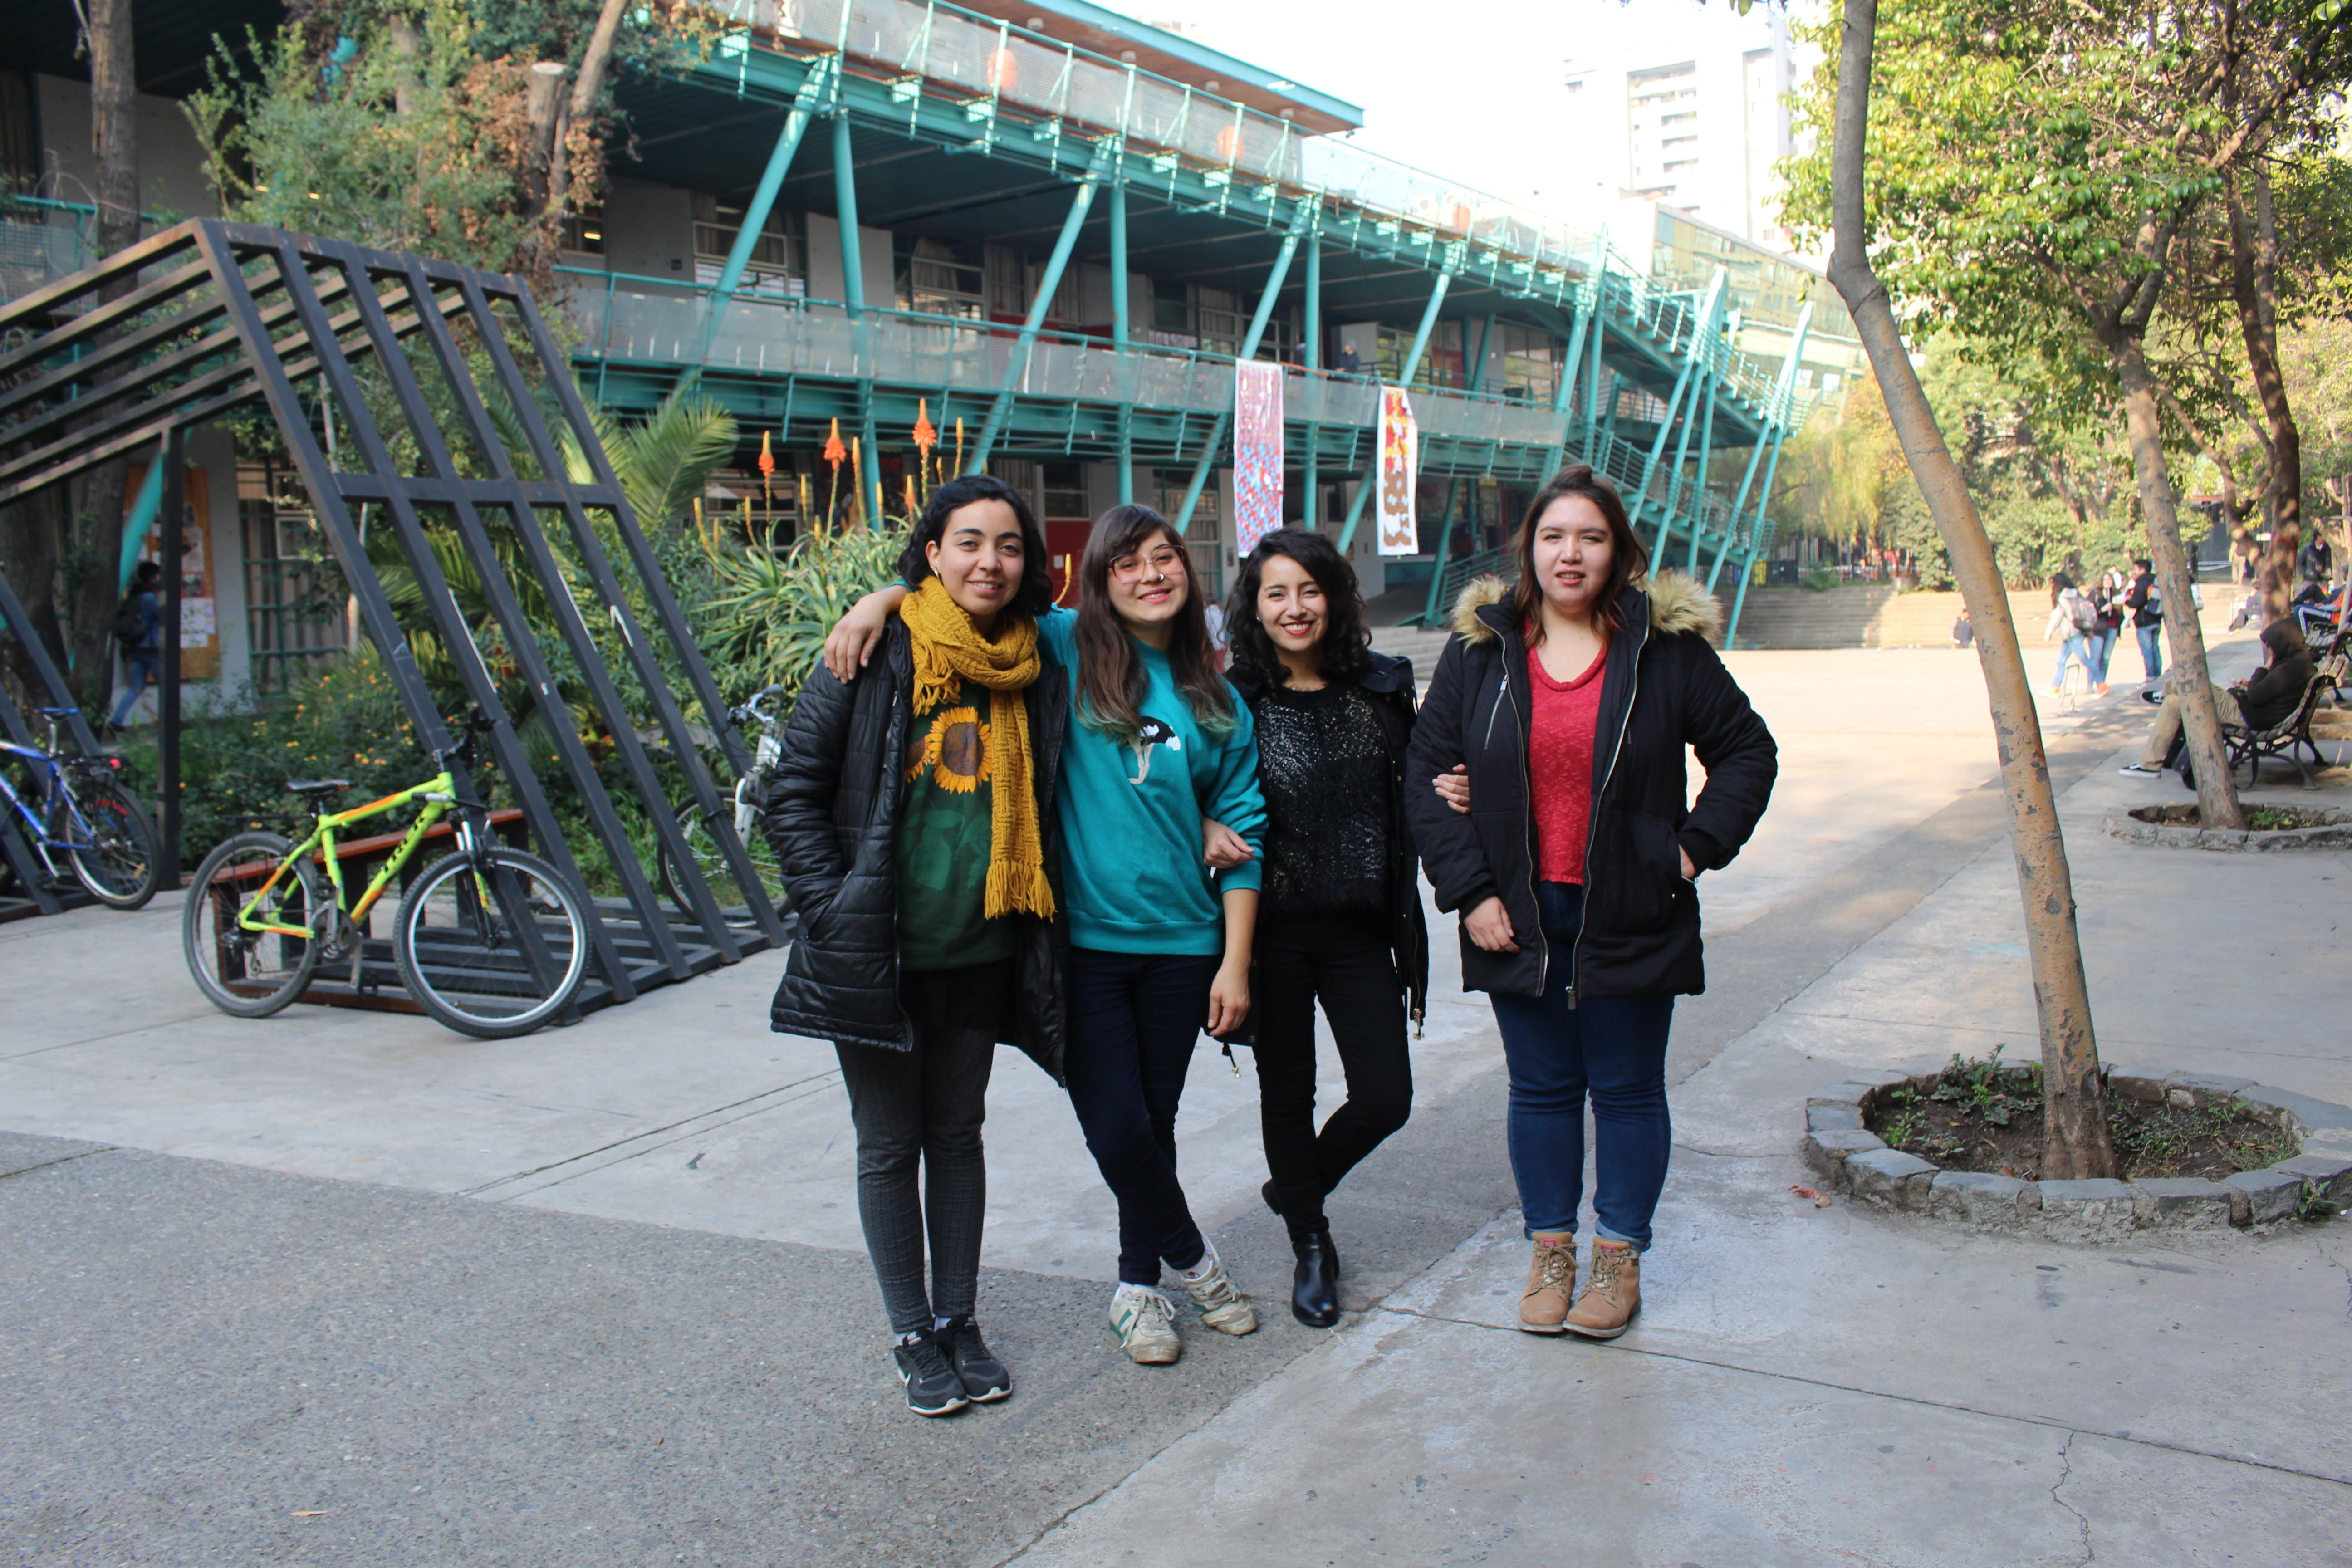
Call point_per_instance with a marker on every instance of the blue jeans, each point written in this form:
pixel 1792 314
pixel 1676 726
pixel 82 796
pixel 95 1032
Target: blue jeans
pixel 1615 1047
pixel 2103 648
pixel 1134 1020
pixel 145 666
pixel 2151 649
pixel 2075 647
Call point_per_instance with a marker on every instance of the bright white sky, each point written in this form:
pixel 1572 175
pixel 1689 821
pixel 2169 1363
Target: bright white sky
pixel 1472 88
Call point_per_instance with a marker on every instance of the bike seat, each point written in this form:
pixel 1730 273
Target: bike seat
pixel 317 786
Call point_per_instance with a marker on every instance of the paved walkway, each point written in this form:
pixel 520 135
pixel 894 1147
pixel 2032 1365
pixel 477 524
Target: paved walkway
pixel 598 1296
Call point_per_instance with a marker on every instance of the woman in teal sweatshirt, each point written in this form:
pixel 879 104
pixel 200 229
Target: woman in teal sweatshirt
pixel 1158 948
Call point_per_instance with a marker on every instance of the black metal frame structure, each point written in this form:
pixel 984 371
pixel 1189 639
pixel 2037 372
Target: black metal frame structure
pixel 208 316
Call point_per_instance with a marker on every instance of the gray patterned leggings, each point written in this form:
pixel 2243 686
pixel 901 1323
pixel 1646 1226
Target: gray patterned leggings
pixel 924 1107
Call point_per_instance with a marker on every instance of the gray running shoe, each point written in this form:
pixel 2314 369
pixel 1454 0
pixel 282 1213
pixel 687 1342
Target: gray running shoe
pixel 1144 1321
pixel 1222 1305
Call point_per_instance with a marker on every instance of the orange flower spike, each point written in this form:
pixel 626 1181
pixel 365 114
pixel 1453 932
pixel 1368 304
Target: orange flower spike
pixel 926 437
pixel 834 452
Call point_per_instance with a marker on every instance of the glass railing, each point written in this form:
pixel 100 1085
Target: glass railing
pixel 641 321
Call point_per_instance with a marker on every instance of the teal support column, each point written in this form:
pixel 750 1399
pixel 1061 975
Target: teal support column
pixel 1787 391
pixel 1598 284
pixel 1776 426
pixel 1223 422
pixel 1035 321
pixel 1118 340
pixel 853 294
pixel 136 526
pixel 1681 384
pixel 755 216
pixel 1431 609
pixel 1411 369
pixel 1474 379
pixel 1572 367
pixel 1312 515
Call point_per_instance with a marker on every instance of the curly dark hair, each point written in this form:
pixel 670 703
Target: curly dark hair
pixel 1347 644
pixel 1035 594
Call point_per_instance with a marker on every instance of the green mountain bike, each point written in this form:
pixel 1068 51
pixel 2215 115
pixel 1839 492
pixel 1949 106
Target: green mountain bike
pixel 488 939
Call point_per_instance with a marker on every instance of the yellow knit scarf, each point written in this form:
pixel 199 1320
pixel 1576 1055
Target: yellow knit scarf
pixel 948 649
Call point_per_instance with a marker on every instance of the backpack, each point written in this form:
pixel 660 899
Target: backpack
pixel 130 621
pixel 2082 611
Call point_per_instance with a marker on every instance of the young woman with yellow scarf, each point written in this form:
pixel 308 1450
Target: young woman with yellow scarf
pixel 913 817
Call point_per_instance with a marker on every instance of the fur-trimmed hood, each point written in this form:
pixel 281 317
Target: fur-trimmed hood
pixel 1676 601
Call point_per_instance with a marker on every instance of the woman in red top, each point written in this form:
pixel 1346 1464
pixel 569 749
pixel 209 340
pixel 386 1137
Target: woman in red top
pixel 1556 726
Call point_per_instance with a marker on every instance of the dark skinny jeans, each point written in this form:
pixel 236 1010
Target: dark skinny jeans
pixel 924 1107
pixel 1135 1018
pixel 1349 968
pixel 1613 1046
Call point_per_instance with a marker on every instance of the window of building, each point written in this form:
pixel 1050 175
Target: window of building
pixel 737 506
pixel 1529 362
pixel 778 267
pixel 295 600
pixel 583 231
pixel 1008 283
pixel 1217 320
pixel 20 132
pixel 1065 491
pixel 940 278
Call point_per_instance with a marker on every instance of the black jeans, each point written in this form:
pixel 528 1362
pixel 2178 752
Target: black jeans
pixel 925 1106
pixel 1351 970
pixel 1134 1020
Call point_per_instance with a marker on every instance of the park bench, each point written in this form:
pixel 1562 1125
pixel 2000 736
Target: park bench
pixel 2289 737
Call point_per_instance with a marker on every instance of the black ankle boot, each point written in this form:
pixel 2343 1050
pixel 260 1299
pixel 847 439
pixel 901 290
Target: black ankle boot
pixel 1314 1289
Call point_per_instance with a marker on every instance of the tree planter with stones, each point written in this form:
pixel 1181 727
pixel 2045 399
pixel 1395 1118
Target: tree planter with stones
pixel 2268 827
pixel 2316 1177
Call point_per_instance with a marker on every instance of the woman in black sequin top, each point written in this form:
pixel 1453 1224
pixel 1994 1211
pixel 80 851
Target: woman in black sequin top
pixel 1340 919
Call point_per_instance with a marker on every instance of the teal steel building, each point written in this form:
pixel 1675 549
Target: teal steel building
pixel 1059 228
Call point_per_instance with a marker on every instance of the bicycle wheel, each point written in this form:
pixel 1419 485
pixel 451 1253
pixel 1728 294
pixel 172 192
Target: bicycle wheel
pixel 463 952
pixel 121 868
pixel 693 826
pixel 254 974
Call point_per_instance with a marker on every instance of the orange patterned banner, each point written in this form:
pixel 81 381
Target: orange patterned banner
pixel 1400 474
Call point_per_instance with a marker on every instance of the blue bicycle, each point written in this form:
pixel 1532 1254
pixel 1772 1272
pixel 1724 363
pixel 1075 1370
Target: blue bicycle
pixel 74 810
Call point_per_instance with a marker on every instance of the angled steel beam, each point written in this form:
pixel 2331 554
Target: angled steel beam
pixel 1118 331
pixel 1674 403
pixel 1312 515
pixel 1776 425
pixel 1771 469
pixel 853 293
pixel 1035 322
pixel 1209 448
pixel 1411 369
pixel 1587 306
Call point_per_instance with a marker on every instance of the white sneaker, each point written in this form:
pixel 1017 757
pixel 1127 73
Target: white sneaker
pixel 1221 1305
pixel 2141 770
pixel 1145 1323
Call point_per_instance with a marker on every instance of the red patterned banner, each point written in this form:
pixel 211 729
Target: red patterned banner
pixel 1400 474
pixel 1257 452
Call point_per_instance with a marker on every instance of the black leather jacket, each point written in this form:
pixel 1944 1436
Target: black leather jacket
pixel 833 814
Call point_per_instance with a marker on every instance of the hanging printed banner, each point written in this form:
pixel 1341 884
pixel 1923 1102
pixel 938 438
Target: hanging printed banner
pixel 1257 452
pixel 1399 533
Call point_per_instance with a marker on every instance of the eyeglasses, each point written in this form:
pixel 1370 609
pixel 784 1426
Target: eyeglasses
pixel 1164 562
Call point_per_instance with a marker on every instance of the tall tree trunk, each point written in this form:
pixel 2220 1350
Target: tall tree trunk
pixel 30 527
pixel 94 531
pixel 2254 286
pixel 2077 1144
pixel 2217 790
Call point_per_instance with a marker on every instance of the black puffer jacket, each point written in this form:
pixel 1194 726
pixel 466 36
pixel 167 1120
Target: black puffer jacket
pixel 833 813
pixel 1388 682
pixel 1663 687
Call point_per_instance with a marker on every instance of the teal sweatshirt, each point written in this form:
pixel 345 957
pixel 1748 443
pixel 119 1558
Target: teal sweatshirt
pixel 1130 814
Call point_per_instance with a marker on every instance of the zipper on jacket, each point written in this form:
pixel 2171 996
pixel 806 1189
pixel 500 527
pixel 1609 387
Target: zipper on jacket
pixel 1592 815
pixel 1528 788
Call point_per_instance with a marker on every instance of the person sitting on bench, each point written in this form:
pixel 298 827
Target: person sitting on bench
pixel 2269 696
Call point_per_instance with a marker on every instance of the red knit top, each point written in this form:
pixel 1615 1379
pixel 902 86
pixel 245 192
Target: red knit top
pixel 1559 765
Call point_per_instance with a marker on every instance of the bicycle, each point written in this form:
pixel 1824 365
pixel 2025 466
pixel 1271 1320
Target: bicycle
pixel 751 796
pixel 488 939
pixel 74 807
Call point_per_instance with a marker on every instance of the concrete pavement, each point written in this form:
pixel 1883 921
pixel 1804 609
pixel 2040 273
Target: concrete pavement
pixel 672 1145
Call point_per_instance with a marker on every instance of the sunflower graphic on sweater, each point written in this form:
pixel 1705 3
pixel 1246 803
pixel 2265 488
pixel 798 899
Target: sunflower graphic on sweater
pixel 955 748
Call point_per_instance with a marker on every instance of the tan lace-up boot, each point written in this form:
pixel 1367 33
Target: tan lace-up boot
pixel 1551 1283
pixel 1612 1296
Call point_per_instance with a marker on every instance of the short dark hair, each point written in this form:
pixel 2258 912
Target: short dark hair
pixel 1628 557
pixel 2143 562
pixel 1037 592
pixel 147 572
pixel 1346 652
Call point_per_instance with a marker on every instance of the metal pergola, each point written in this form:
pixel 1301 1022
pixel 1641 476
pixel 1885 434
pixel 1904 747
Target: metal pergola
pixel 465 439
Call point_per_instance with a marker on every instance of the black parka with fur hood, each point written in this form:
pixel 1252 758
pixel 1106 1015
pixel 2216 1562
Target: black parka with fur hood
pixel 1664 688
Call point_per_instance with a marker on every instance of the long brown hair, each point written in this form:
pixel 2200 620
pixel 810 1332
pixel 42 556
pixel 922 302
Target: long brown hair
pixel 1628 560
pixel 1111 677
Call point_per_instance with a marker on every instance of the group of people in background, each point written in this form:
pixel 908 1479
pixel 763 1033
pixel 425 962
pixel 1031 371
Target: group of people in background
pixel 1067 831
pixel 2088 614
